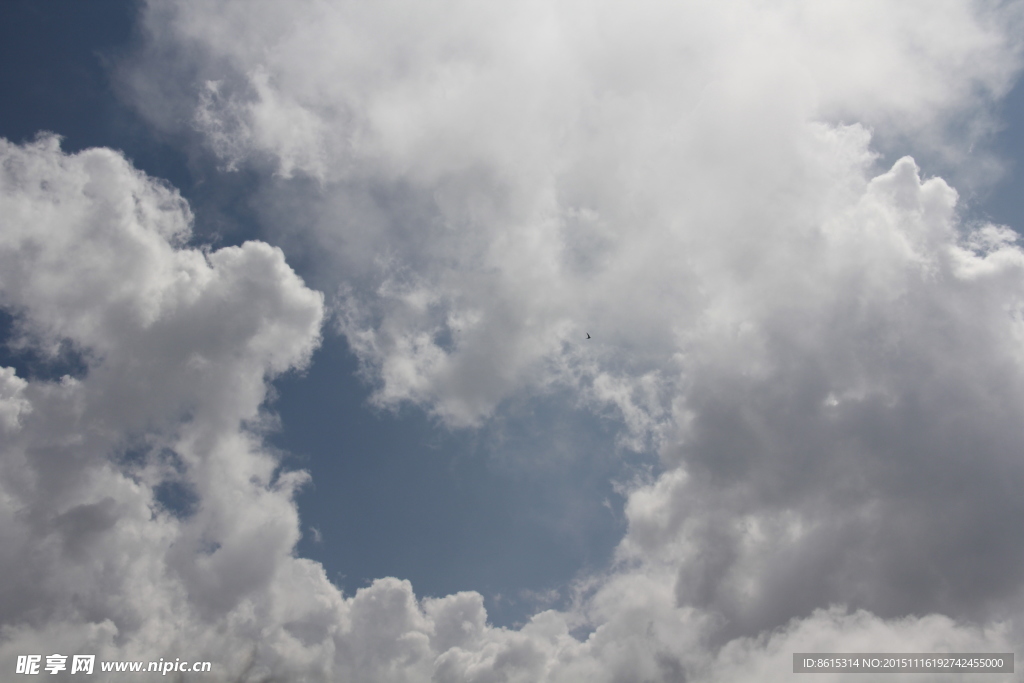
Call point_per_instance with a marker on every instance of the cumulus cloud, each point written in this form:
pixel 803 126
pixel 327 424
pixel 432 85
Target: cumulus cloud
pixel 462 164
pixel 178 344
pixel 822 351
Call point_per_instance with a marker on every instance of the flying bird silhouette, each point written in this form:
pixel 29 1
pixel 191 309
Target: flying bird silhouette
pixel 588 335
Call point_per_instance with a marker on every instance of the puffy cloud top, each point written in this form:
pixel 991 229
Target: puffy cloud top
pixel 491 181
pixel 178 344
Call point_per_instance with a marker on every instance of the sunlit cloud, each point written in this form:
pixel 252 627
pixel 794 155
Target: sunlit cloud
pixel 698 220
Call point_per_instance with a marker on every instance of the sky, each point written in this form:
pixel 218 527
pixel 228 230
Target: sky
pixel 295 300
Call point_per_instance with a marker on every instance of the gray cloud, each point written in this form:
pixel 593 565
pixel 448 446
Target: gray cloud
pixel 822 352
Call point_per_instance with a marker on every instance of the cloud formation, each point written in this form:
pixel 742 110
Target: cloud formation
pixel 823 353
pixel 178 344
pixel 460 165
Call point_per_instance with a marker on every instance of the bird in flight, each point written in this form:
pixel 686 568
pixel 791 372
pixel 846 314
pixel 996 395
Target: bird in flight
pixel 588 335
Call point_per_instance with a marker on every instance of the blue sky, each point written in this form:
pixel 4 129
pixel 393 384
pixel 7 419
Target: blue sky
pixel 795 426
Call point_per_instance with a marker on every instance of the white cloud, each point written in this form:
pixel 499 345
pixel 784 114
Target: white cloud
pixel 178 344
pixel 495 180
pixel 824 355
